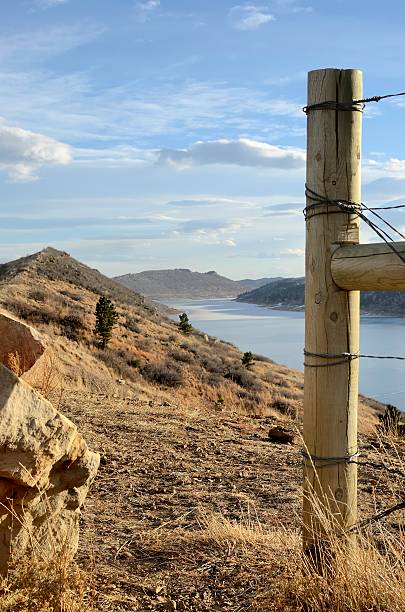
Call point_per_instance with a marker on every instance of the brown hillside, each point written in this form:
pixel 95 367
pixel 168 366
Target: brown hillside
pixel 186 511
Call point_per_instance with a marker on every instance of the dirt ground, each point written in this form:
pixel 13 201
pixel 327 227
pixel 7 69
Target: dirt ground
pixel 163 469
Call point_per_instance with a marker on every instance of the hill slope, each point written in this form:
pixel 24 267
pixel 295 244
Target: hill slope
pixel 288 293
pixel 185 511
pixel 183 283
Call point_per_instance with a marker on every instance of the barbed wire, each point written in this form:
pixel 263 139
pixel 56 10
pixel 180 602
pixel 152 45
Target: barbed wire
pixel 378 517
pixel 351 208
pixel 344 358
pixel 351 105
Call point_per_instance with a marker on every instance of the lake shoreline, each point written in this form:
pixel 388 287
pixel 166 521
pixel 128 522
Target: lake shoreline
pixel 278 334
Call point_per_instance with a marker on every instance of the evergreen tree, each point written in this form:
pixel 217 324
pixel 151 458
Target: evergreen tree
pixel 185 325
pixel 106 317
pixel 247 359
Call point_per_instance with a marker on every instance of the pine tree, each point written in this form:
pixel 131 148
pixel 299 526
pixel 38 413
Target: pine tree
pixel 247 359
pixel 106 317
pixel 185 325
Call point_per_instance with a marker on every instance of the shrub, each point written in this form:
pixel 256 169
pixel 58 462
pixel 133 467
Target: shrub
pixel 247 359
pixel 190 347
pixel 73 326
pixel 243 378
pixel 184 324
pixel 390 421
pixel 106 317
pixel 73 296
pixel 38 295
pixel 284 407
pixel 133 362
pixel 212 364
pixel 117 360
pixel 182 356
pixel 257 357
pixel 214 380
pixel 131 323
pixel 162 374
pixel 249 396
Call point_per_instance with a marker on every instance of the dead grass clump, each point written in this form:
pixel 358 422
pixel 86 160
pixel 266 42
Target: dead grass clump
pixel 368 576
pixel 243 378
pixel 144 344
pixel 38 295
pixel 182 356
pixel 283 406
pixel 212 363
pixel 131 323
pixel 162 374
pixel 33 314
pixel 249 396
pixel 73 326
pixel 13 363
pixel 47 379
pixel 193 348
pixel 221 565
pixel 275 379
pixel 73 296
pixel 122 362
pixel 214 380
pixel 45 586
pixel 262 358
pixel 235 566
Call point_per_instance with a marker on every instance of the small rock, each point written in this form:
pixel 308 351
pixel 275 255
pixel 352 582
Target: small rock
pixel 281 434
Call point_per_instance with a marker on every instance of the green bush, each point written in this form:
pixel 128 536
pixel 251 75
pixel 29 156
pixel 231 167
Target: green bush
pixel 184 324
pixel 106 318
pixel 247 359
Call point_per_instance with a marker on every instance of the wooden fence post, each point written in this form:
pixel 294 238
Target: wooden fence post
pixel 331 314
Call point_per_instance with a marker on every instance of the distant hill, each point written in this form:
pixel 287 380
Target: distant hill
pixel 183 283
pixel 251 283
pixel 60 266
pixel 288 293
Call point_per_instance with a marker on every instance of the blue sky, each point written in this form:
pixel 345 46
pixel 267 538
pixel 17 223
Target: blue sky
pixel 157 134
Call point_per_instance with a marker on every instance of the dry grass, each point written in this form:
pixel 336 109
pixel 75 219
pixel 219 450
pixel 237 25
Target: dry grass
pixel 193 508
pixel 54 585
pixel 45 578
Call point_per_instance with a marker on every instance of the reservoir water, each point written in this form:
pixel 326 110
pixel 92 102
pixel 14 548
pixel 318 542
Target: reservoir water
pixel 280 335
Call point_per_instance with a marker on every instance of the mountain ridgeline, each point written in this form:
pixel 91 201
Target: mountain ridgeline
pixel 183 283
pixel 288 294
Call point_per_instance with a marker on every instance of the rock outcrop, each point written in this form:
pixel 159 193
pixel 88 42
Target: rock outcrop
pixel 20 344
pixel 45 466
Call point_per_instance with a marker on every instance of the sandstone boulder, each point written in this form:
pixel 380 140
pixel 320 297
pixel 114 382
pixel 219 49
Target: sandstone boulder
pixel 20 344
pixel 45 466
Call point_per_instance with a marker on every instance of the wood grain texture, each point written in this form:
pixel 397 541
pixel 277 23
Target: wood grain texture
pixel 331 315
pixel 369 267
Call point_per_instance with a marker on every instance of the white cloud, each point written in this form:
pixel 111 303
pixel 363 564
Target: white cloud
pixel 47 42
pixel 23 152
pixel 296 252
pixel 380 168
pixel 292 7
pixel 250 16
pixel 45 4
pixel 242 152
pixel 148 5
pixel 209 201
pixel 145 8
pixel 135 110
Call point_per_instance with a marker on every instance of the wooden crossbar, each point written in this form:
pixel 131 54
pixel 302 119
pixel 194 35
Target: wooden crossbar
pixel 369 267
